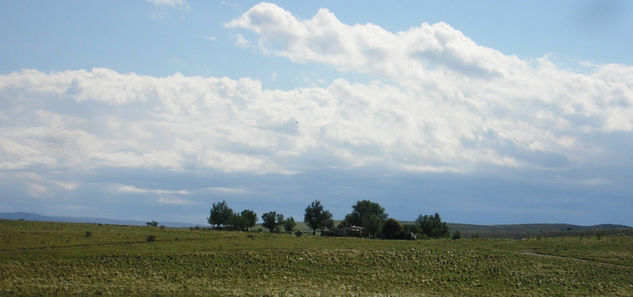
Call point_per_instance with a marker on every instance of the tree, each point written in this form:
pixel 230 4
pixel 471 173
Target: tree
pixel 317 218
pixel 236 222
pixel 367 214
pixel 249 217
pixel 289 224
pixel 392 229
pixel 457 235
pixel 279 219
pixel 220 214
pixel 432 226
pixel 270 220
pixel 411 231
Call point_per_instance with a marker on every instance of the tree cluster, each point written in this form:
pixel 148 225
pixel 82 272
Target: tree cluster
pixel 374 222
pixel 367 219
pixel 222 216
pixel 432 226
pixel 274 222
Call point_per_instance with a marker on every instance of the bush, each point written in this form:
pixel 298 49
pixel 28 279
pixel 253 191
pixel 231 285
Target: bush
pixel 88 234
pixel 457 235
pixel 150 238
pixel 392 229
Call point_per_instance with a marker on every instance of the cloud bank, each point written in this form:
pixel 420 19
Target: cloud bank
pixel 437 102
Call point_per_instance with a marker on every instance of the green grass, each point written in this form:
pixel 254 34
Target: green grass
pixel 58 259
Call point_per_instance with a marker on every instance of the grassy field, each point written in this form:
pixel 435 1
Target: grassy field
pixel 63 259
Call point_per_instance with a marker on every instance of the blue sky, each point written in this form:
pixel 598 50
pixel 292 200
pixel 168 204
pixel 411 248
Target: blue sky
pixel 491 112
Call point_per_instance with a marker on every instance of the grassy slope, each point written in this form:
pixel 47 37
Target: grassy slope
pixel 58 259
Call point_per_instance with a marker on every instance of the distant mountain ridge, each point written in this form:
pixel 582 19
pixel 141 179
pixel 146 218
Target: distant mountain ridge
pixel 37 217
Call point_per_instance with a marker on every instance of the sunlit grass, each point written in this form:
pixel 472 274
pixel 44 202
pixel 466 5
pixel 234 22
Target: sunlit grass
pixel 60 259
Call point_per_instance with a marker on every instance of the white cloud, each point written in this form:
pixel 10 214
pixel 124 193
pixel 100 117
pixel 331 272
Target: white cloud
pixel 170 3
pixel 112 119
pixel 440 102
pixel 38 185
pixel 173 201
pixel 133 189
pixel 241 41
pixel 227 190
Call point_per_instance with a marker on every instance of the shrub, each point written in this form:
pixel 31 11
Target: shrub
pixel 88 234
pixel 150 238
pixel 392 229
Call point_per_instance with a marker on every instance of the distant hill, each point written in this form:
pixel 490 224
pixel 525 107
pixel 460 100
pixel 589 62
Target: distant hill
pixel 533 230
pixel 37 217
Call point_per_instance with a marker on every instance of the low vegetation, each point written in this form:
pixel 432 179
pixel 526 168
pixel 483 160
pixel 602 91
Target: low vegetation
pixel 58 259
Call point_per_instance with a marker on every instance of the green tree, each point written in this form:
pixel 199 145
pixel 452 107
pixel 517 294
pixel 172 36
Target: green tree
pixel 289 224
pixel 457 235
pixel 270 220
pixel 372 225
pixel 411 231
pixel 317 218
pixel 367 214
pixel 220 214
pixel 432 226
pixel 249 217
pixel 392 229
pixel 236 222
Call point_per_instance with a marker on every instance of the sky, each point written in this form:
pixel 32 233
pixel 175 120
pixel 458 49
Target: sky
pixel 487 112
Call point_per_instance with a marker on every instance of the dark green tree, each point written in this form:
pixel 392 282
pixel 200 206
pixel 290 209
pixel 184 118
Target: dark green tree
pixel 317 218
pixel 410 231
pixel 392 229
pixel 457 235
pixel 432 226
pixel 289 224
pixel 372 225
pixel 236 222
pixel 367 214
pixel 270 220
pixel 249 217
pixel 220 214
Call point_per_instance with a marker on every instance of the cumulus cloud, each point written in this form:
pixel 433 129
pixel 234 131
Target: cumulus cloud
pixel 439 102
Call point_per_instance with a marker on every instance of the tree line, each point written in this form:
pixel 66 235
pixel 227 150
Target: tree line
pixel 221 216
pixel 367 219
